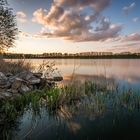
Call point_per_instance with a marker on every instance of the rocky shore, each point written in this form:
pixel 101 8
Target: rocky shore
pixel 12 86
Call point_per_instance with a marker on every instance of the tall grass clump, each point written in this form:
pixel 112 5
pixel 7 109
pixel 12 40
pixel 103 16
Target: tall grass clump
pixel 15 67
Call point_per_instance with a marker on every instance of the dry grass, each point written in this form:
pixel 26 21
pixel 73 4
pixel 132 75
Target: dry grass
pixel 15 67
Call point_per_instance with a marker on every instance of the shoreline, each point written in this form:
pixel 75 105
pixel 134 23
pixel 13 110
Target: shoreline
pixel 74 58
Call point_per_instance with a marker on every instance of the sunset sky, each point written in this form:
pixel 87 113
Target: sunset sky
pixel 77 25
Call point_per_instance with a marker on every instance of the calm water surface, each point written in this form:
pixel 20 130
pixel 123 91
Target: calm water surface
pixel 125 72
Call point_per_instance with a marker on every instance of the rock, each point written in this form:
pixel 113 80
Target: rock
pixel 49 78
pixel 5 85
pixel 24 89
pixel 6 94
pixel 12 79
pixel 17 84
pixel 57 78
pixel 2 76
pixel 26 75
pixel 31 87
pixel 9 74
pixel 34 80
pixel 13 91
pixel 3 80
pixel 38 75
pixel 12 86
pixel 1 89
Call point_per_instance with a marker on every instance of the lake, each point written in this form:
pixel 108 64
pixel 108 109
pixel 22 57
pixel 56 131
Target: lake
pixel 85 122
pixel 125 72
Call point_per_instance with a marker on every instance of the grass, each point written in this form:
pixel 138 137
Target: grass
pixel 99 98
pixel 15 67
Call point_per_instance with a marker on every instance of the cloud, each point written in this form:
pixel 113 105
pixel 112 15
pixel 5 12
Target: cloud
pixel 21 16
pixel 105 23
pixel 126 47
pixel 97 5
pixel 67 19
pixel 103 35
pixel 23 34
pixel 39 16
pixel 136 19
pixel 128 8
pixel 131 37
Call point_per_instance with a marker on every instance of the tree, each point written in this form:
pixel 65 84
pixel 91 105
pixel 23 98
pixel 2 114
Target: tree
pixel 8 26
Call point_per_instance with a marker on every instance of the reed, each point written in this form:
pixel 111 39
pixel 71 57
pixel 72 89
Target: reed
pixel 92 96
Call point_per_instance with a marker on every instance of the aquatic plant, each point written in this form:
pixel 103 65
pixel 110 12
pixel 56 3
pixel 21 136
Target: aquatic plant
pixel 99 96
pixel 90 98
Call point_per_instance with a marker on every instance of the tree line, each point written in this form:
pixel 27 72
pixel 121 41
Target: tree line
pixel 69 55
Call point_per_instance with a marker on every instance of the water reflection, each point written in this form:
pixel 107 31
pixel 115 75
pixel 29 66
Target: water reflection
pixel 126 70
pixel 80 123
pixel 122 70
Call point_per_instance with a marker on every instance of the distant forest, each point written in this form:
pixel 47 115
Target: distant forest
pixel 85 55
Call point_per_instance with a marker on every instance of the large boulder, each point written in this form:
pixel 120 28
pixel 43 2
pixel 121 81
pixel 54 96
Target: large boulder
pixel 26 75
